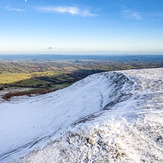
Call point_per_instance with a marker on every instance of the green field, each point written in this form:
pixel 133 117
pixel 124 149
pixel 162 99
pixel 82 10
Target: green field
pixel 56 75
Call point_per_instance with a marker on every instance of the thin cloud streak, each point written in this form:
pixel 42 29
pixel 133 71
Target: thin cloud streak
pixel 156 14
pixel 70 10
pixel 131 14
pixel 14 9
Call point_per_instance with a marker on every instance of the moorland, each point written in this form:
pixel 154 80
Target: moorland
pixel 44 73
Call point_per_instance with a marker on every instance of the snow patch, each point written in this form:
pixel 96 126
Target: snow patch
pixel 106 117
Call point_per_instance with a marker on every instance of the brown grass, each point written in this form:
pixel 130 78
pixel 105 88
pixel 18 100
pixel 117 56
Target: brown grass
pixel 27 93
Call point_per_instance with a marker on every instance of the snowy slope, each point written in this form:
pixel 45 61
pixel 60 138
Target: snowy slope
pixel 113 116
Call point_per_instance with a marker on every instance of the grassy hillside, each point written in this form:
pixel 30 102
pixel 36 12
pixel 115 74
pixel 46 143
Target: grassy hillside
pixel 56 75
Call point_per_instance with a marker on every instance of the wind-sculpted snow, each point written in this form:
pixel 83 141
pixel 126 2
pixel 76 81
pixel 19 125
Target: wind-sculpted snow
pixel 106 117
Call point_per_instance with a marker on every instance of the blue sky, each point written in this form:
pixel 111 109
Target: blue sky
pixel 81 27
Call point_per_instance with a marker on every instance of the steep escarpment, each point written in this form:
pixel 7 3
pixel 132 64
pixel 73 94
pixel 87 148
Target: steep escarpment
pixel 106 117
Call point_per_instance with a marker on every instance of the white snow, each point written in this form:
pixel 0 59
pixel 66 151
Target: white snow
pixel 106 117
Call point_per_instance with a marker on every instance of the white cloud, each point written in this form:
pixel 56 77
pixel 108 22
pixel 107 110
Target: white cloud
pixel 69 10
pixel 14 9
pixel 131 14
pixel 25 0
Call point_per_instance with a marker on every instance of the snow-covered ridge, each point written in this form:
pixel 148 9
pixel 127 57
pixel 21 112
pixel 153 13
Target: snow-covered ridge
pixel 113 116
